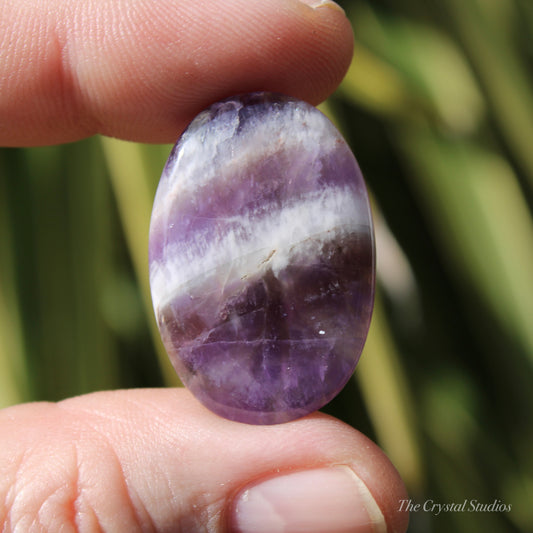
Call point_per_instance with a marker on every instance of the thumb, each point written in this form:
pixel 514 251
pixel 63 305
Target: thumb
pixel 156 460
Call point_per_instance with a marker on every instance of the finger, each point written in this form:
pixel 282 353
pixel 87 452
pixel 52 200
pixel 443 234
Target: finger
pixel 140 70
pixel 156 460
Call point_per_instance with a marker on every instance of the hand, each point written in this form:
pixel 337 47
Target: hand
pixel 156 460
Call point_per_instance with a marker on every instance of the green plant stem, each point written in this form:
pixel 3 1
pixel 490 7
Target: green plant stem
pixel 129 179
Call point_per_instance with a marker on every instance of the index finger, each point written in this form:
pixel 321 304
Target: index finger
pixel 140 70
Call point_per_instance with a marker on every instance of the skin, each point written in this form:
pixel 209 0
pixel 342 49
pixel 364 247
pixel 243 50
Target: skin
pixel 141 70
pixel 156 460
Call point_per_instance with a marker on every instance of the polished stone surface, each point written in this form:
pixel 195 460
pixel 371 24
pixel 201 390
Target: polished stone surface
pixel 262 259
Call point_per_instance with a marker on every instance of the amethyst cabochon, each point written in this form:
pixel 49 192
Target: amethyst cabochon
pixel 262 259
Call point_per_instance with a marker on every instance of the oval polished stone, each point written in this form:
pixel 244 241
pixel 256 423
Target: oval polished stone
pixel 262 259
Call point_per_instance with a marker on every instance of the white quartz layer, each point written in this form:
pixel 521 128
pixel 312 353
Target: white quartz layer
pixel 296 233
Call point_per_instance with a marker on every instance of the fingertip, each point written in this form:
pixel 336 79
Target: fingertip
pixel 280 46
pixel 226 458
pixel 157 458
pixel 142 70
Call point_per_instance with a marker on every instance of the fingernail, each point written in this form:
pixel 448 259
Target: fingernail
pixel 326 500
pixel 323 3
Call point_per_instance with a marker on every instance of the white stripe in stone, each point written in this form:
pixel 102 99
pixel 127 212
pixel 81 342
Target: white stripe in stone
pixel 252 244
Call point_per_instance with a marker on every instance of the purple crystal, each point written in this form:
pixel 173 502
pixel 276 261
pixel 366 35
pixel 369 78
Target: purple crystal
pixel 262 259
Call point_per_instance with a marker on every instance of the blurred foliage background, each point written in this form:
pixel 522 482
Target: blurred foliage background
pixel 438 107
